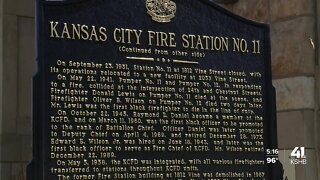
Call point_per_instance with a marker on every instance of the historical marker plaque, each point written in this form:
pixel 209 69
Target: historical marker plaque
pixel 151 89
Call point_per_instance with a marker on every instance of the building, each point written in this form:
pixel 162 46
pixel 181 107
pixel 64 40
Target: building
pixel 295 28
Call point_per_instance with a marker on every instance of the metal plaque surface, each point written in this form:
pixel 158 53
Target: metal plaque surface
pixel 151 89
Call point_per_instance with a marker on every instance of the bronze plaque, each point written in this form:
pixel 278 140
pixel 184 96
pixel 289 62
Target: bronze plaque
pixel 151 89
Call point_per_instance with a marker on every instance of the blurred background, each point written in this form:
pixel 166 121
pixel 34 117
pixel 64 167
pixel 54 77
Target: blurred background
pixel 295 33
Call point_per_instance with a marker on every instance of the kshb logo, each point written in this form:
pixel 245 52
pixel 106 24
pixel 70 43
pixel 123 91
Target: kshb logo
pixel 298 156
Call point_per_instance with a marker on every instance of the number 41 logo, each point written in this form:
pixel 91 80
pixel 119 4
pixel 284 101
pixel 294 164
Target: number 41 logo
pixel 299 153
